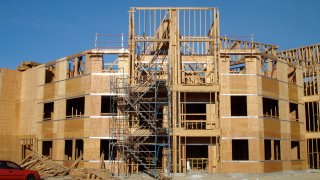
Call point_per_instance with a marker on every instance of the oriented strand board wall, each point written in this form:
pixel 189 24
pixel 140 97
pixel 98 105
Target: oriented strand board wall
pixel 10 83
pixel 31 110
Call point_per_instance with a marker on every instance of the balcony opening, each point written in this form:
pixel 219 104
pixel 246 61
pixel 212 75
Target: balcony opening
pixel 79 148
pixel 75 107
pixel 47 148
pixel 108 105
pixel 68 149
pixel 237 64
pixel 295 150
pixel 76 66
pixel 197 157
pixel 111 63
pixel 48 109
pixel 107 150
pixel 294 112
pixel 240 150
pixel 267 149
pixel 238 105
pixel 270 108
pixel 50 73
pixel 198 110
pixel 277 150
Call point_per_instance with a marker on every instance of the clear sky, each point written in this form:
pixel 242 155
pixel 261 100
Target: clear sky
pixel 45 30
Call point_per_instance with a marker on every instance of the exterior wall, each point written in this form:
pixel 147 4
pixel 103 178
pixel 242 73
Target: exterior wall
pixel 10 86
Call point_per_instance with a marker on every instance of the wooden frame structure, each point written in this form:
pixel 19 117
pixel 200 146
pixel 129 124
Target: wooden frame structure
pixel 180 98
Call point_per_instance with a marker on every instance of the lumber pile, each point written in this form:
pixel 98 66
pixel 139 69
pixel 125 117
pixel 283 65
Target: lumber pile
pixel 45 166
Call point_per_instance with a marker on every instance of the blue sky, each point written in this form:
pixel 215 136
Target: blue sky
pixel 45 30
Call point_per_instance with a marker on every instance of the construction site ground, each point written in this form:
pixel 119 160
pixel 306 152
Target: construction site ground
pixel 289 175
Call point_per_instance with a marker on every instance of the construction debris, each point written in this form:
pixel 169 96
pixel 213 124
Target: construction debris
pixel 45 166
pixel 27 65
pixel 90 173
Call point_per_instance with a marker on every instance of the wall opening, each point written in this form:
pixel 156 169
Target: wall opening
pixel 68 149
pixel 75 107
pixel 47 148
pixel 240 150
pixel 313 146
pixel 237 64
pixel 108 105
pixel 48 109
pixel 277 150
pixel 79 148
pixel 310 80
pixel 267 149
pixel 198 110
pixel 270 108
pixel 197 157
pixel 238 105
pixel 76 66
pixel 294 115
pixel 295 150
pixel 107 150
pixel 312 117
pixel 50 73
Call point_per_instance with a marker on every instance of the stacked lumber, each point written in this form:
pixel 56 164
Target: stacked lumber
pixel 45 166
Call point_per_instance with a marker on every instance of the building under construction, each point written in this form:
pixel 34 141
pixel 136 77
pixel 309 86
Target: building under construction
pixel 173 96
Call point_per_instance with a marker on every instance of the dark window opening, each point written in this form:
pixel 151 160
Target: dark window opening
pixel 295 150
pixel 50 74
pixel 75 107
pixel 240 150
pixel 270 108
pixel 47 148
pixel 312 117
pixel 294 112
pixel 313 146
pixel 238 105
pixel 48 111
pixel 197 157
pixel 68 149
pixel 197 151
pixel 277 150
pixel 79 148
pixel 267 149
pixel 107 150
pixel 108 104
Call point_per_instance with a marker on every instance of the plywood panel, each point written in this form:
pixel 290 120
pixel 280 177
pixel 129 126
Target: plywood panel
pixel 297 165
pixel 295 130
pixel 73 85
pixel 47 130
pixel 73 128
pixel 49 91
pixel 271 166
pixel 100 84
pixel 270 87
pixel 242 167
pixel 10 87
pixel 272 128
pixel 293 93
pixel 98 127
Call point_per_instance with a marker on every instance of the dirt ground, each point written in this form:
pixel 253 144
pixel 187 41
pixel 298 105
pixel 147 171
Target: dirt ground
pixel 289 175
